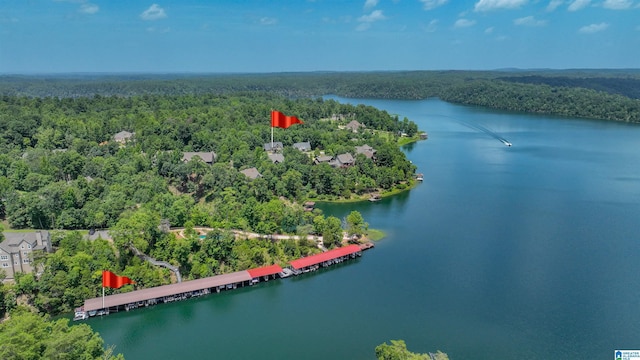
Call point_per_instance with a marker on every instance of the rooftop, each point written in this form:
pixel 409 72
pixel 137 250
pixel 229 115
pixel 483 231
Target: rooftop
pixel 166 290
pixel 264 271
pixel 325 256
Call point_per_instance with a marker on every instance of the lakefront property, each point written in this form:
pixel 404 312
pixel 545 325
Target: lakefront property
pixel 18 248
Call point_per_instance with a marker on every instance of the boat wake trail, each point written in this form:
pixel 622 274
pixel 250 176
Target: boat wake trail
pixel 485 130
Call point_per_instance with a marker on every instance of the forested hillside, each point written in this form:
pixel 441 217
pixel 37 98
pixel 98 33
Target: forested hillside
pixel 629 87
pixel 62 168
pixel 608 94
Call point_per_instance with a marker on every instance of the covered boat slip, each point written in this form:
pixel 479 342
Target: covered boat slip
pixel 160 292
pixel 194 288
pixel 326 258
pixel 264 272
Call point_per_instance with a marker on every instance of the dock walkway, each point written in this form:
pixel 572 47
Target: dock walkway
pixel 194 288
pixel 163 293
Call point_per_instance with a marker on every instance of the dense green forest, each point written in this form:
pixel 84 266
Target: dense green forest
pixel 595 94
pixel 61 169
pixel 27 335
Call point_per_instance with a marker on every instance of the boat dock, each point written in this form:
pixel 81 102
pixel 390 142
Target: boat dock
pixel 367 246
pixel 313 262
pixel 195 288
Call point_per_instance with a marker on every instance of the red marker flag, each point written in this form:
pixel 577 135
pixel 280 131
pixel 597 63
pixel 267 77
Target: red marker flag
pixel 112 280
pixel 281 120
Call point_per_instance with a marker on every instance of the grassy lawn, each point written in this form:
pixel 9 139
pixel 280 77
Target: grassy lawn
pixel 375 234
pixel 408 140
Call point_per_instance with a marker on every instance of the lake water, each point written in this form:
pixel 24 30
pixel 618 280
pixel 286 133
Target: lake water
pixel 523 252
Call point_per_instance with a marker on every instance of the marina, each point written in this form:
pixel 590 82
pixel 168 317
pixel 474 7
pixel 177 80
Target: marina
pixel 100 306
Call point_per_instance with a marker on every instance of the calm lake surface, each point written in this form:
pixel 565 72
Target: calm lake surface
pixel 523 252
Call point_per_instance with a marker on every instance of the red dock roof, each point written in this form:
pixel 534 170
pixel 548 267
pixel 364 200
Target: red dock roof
pixel 328 255
pixel 264 271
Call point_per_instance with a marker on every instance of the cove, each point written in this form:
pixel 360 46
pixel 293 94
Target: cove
pixel 526 252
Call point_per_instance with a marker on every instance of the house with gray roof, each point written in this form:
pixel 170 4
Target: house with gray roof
pixel 342 160
pixel 276 158
pixel 276 146
pixel 366 150
pixel 16 251
pixel 354 126
pixel 322 159
pixel 302 146
pixel 123 136
pixel 251 173
pixel 207 157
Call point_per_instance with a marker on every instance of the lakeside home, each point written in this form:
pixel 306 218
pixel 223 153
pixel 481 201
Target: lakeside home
pixel 17 249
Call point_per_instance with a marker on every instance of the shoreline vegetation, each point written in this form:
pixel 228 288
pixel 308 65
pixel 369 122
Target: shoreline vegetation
pixel 399 188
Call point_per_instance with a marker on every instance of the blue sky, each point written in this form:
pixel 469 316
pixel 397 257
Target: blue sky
pixel 61 36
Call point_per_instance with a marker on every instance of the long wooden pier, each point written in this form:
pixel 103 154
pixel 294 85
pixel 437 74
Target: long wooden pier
pixel 195 288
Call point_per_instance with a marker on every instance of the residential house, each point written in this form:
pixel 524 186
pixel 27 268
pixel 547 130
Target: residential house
pixel 207 157
pixel 366 150
pixel 302 146
pixel 354 126
pixel 322 159
pixel 276 158
pixel 16 251
pixel 275 146
pixel 251 173
pixel 342 160
pixel 342 117
pixel 123 136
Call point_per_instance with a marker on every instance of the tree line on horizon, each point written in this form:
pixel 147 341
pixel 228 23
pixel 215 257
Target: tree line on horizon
pixel 594 94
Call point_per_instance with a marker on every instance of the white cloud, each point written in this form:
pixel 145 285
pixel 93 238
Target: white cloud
pixel 489 30
pixel 487 5
pixel 89 8
pixel 578 5
pixel 374 16
pixel 593 28
pixel 432 26
pixel 154 12
pixel 617 4
pixel 368 4
pixel 529 21
pixel 268 21
pixel 553 4
pixel 432 4
pixel 463 23
pixel 367 20
pixel 85 7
